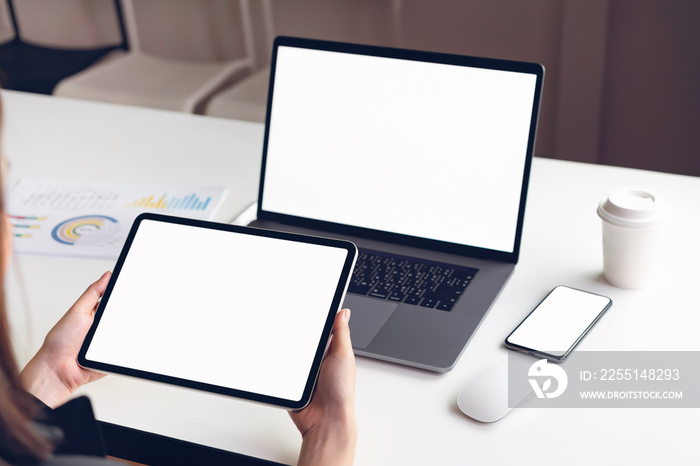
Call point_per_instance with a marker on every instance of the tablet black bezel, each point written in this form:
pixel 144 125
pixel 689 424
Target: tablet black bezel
pixel 324 338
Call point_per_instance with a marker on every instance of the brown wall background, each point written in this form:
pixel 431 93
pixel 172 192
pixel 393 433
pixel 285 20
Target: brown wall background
pixel 622 83
pixel 651 116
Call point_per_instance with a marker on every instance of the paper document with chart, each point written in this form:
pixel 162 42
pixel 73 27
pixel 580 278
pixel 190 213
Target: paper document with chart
pixel 57 217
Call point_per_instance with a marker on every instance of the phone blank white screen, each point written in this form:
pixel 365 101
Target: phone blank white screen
pixel 555 325
pixel 423 149
pixel 233 310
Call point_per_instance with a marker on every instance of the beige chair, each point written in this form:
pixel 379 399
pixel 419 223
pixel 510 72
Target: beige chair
pixel 138 78
pixel 247 99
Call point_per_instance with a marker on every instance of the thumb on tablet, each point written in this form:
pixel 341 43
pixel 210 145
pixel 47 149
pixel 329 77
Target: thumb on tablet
pixel 341 334
pixel 88 301
pixel 327 424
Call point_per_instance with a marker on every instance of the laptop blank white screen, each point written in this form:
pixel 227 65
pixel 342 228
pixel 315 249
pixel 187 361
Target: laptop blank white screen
pixel 423 149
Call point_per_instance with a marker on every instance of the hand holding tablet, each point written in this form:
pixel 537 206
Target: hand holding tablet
pixel 221 308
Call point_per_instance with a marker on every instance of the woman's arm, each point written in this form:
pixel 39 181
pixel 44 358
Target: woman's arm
pixel 327 424
pixel 53 374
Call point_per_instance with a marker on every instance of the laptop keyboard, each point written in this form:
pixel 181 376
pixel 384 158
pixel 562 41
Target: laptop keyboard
pixel 409 280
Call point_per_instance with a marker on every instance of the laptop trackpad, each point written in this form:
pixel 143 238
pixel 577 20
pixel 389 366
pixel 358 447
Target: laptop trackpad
pixel 368 316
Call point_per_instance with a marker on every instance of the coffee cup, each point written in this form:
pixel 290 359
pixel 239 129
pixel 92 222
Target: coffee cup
pixel 634 221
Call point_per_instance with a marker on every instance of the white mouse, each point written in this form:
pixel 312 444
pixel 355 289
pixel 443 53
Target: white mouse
pixel 485 398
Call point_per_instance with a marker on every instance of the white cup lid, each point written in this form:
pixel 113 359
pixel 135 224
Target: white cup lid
pixel 634 208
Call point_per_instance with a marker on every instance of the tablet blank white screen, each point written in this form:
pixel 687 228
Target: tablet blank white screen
pixel 233 310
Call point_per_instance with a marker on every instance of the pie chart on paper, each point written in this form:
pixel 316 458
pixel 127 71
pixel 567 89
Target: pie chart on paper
pixel 87 230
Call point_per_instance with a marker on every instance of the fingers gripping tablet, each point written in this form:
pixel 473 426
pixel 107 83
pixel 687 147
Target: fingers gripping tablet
pixel 222 308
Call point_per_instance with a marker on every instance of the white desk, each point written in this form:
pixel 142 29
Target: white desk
pixel 405 416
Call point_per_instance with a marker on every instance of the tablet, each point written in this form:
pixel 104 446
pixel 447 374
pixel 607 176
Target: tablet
pixel 227 309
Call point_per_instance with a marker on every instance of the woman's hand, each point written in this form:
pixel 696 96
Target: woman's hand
pixel 327 424
pixel 53 374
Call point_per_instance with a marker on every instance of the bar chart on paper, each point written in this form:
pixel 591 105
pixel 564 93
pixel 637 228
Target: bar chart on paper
pixel 93 219
pixel 166 201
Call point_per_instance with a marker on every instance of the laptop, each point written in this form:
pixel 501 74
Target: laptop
pixel 422 160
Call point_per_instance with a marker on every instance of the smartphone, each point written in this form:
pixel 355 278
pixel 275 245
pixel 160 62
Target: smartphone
pixel 554 328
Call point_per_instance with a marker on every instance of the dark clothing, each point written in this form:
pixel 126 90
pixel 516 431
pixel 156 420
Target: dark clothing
pixel 73 429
